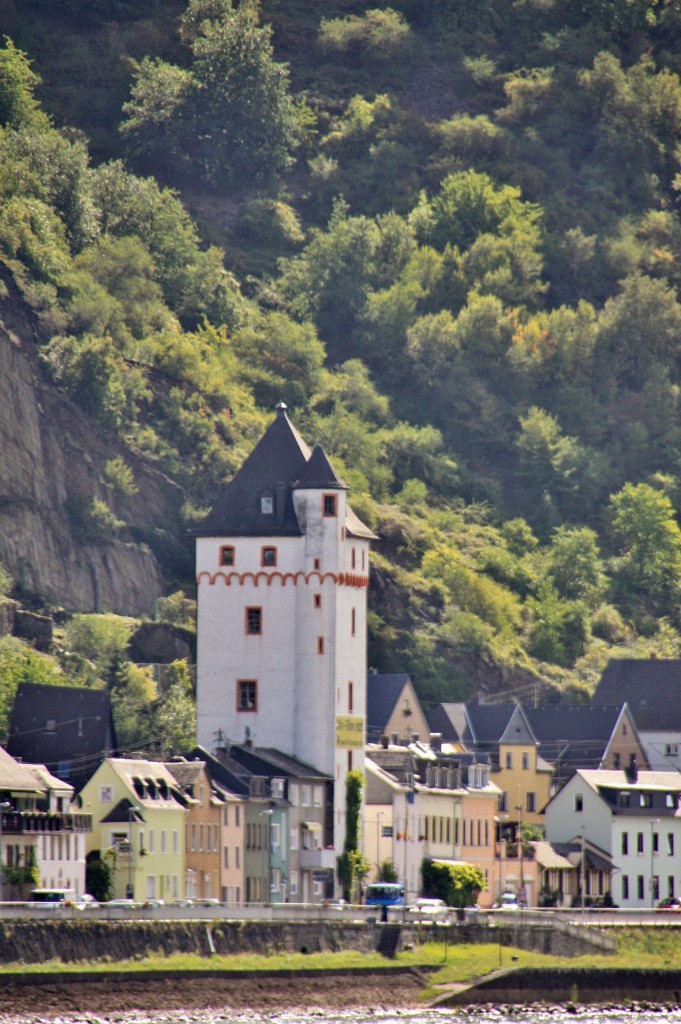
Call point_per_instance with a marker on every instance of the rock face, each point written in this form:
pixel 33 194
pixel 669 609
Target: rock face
pixel 51 459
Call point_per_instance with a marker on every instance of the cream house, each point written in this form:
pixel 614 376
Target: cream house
pixel 138 819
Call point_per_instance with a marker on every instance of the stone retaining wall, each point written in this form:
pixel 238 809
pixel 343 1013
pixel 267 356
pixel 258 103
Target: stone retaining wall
pixel 74 941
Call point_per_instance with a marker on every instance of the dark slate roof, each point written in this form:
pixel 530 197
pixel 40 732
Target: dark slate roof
pixel 279 463
pixel 228 774
pixel 398 762
pixel 124 811
pixel 449 720
pixel 383 693
pixel 272 763
pixel 518 729
pixel 185 773
pixel 651 688
pixel 319 474
pixel 68 729
pixel 276 462
pixel 570 735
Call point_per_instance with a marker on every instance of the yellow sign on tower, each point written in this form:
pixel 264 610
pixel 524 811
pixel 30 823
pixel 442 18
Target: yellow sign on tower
pixel 350 732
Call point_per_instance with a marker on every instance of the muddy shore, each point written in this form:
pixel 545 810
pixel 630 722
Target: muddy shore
pixel 105 997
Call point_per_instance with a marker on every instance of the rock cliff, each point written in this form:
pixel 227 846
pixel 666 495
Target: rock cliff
pixel 52 456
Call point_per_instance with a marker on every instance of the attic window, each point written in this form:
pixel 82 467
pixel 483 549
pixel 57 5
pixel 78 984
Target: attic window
pixel 51 725
pixel 139 788
pixel 267 504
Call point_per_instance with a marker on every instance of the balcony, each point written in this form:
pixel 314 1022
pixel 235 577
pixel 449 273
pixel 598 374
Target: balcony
pixel 322 859
pixel 23 822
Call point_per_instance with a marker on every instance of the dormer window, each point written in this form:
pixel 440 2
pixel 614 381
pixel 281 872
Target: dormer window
pixel 329 505
pixel 266 504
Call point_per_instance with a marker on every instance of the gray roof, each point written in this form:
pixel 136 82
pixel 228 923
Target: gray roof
pixel 273 763
pixel 650 686
pixel 383 693
pixel 69 729
pixel 572 735
pixel 280 462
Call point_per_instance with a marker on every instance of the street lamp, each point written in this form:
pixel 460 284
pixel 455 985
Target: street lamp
pixel 130 890
pixel 4 806
pixel 266 852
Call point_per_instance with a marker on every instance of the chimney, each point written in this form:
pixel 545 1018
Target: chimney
pixel 384 742
pixel 631 771
pixel 436 740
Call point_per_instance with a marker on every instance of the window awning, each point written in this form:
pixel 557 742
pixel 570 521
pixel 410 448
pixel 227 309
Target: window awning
pixel 313 826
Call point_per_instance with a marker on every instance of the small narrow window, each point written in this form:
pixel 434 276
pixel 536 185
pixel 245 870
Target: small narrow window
pixel 247 695
pixel 328 505
pixel 320 645
pixel 353 558
pixel 353 622
pixel 254 621
pixel 317 600
pixel 350 698
pixel 349 760
pixel 579 802
pixel 268 556
pixel 316 564
pixel 226 555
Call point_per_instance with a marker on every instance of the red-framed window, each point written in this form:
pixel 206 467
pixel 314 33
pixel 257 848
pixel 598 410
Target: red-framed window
pixel 227 554
pixel 329 505
pixel 317 600
pixel 350 698
pixel 253 621
pixel 354 558
pixel 268 556
pixel 353 622
pixel 320 645
pixel 316 564
pixel 247 694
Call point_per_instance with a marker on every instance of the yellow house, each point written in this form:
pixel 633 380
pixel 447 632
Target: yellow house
pixel 138 817
pixel 523 776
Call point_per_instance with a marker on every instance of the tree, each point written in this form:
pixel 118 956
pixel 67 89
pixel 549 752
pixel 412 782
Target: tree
pixel 18 105
pixel 457 884
pixel 575 565
pixel 231 116
pixel 350 860
pixel 648 569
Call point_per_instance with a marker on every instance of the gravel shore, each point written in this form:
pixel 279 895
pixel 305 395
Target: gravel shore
pixel 90 999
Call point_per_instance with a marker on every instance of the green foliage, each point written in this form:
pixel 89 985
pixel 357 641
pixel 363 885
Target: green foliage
pixel 6 581
pixel 174 718
pixel 231 115
pixel 18 105
pixel 97 637
pixel 99 876
pixel 457 884
pixel 19 663
pixel 178 609
pixel 351 864
pixel 376 35
pixel 387 872
pixel 120 477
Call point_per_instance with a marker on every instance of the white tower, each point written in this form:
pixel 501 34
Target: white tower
pixel 282 574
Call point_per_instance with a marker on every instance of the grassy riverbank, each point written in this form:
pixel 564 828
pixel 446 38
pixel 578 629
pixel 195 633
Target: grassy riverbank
pixel 637 948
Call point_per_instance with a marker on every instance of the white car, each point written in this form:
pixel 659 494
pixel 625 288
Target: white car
pixel 433 910
pixel 508 901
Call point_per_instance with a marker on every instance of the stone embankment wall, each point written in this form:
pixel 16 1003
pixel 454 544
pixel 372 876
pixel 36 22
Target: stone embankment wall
pixel 565 985
pixel 90 940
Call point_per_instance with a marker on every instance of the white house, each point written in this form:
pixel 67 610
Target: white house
pixel 282 569
pixel 634 818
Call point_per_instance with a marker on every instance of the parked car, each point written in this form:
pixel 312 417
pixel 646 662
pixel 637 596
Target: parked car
pixel 508 901
pixel 433 910
pixel 670 903
pixel 122 904
pixel 86 902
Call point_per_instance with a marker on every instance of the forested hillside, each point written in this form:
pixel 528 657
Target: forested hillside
pixel 446 234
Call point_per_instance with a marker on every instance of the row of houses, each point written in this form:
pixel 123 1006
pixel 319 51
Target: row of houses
pixel 285 709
